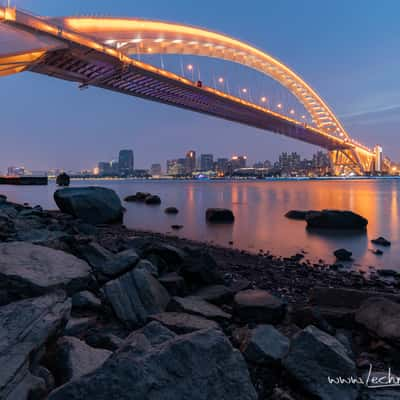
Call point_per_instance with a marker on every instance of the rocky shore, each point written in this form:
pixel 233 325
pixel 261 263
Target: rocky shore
pixel 90 309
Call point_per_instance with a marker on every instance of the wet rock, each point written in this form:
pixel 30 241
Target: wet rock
pixel 377 252
pixel 296 214
pixel 343 255
pixel 152 200
pixel 265 344
pixel 197 306
pixel 171 210
pixel 182 323
pixel 28 270
pixel 139 196
pixel 381 241
pixel 78 326
pixel 177 227
pixel 335 219
pixel 136 295
pixel 215 294
pixel 172 255
pixel 174 283
pixel 95 205
pixel 219 215
pixel 201 365
pixel 314 356
pixel 25 327
pixel 256 305
pixel 381 317
pixel 74 358
pixel 63 179
pixel 86 301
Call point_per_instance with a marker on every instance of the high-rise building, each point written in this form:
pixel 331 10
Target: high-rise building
pixel 320 160
pixel 104 168
pixel 126 162
pixel 155 170
pixel 289 162
pixel 176 167
pixel 378 158
pixel 222 165
pixel 114 167
pixel 16 171
pixel 190 161
pixel 206 162
pixel 238 162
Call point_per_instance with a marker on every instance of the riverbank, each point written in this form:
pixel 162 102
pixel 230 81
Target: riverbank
pixel 86 307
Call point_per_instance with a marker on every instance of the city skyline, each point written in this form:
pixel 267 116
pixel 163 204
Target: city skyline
pixel 358 88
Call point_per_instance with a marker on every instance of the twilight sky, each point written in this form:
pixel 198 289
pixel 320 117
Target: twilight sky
pixel 347 50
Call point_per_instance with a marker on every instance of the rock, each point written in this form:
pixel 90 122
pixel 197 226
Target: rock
pixel 63 179
pixel 296 214
pixel 182 323
pixel 28 270
pixel 381 241
pixel 85 301
pixel 265 344
pixel 78 326
pixel 152 200
pixel 199 268
pixel 196 306
pixel 95 205
pixel 388 272
pixel 377 252
pixel 172 256
pixel 46 376
pixel 334 219
pixel 174 283
pixel 171 210
pixel 315 357
pixel 25 327
pixel 256 305
pixel 177 227
pixel 104 340
pixel 343 255
pixel 215 294
pixel 139 196
pixel 197 366
pixel 148 266
pixel 381 317
pixel 304 316
pixel 136 295
pixel 219 215
pixel 74 358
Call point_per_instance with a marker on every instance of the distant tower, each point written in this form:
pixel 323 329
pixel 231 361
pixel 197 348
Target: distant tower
pixel 190 161
pixel 378 158
pixel 126 162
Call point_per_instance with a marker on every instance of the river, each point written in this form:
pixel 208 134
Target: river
pixel 259 208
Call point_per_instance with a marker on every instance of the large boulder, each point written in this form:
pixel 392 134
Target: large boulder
pixel 336 219
pixel 297 214
pixel 95 205
pixel 197 366
pixel 28 270
pixel 74 358
pixel 381 317
pixel 216 294
pixel 25 328
pixel 219 215
pixel 255 305
pixel 136 295
pixel 314 359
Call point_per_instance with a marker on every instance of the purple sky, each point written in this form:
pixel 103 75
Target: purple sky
pixel 347 51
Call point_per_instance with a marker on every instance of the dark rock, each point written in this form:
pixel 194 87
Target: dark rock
pixel 85 301
pixel 139 196
pixel 377 252
pixel 182 323
pixel 381 241
pixel 63 179
pixel 334 219
pixel 25 327
pixel 256 305
pixel 78 326
pixel 27 270
pixel 315 356
pixel 95 205
pixel 343 255
pixel 198 366
pixel 74 358
pixel 147 266
pixel 296 214
pixel 174 283
pixel 104 340
pixel 171 210
pixel 136 295
pixel 152 200
pixel 304 316
pixel 177 227
pixel 219 215
pixel 265 344
pixel 381 317
pixel 46 376
pixel 197 306
pixel 388 272
pixel 215 294
pixel 170 254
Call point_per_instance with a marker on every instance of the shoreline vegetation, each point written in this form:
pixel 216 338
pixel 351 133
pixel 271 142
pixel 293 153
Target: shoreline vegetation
pixel 91 308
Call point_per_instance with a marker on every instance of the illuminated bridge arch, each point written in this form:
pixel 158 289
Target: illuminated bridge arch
pixel 133 36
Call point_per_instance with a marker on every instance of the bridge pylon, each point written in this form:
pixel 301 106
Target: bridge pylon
pixel 347 161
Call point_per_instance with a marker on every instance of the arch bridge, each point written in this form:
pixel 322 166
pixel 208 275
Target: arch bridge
pixel 97 51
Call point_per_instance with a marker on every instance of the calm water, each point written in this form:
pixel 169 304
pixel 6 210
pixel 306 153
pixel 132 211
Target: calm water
pixel 259 208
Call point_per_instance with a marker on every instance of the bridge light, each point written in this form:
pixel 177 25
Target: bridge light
pixel 303 117
pixel 149 50
pixel 190 67
pixel 263 99
pixel 279 105
pixel 138 40
pixel 177 41
pixel 221 80
pixel 292 111
pixel 159 40
pixel 244 90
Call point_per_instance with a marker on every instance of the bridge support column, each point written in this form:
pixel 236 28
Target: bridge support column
pixel 346 161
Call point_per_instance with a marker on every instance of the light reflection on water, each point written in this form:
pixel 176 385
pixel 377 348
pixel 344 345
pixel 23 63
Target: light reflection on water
pixel 259 207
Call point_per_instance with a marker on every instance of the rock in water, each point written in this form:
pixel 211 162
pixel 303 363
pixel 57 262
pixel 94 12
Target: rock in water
pixel 28 270
pixel 25 327
pixel 197 366
pixel 296 214
pixel 219 215
pixel 153 199
pixel 381 241
pixel 95 205
pixel 343 254
pixel 314 358
pixel 63 179
pixel 335 219
pixel 171 210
